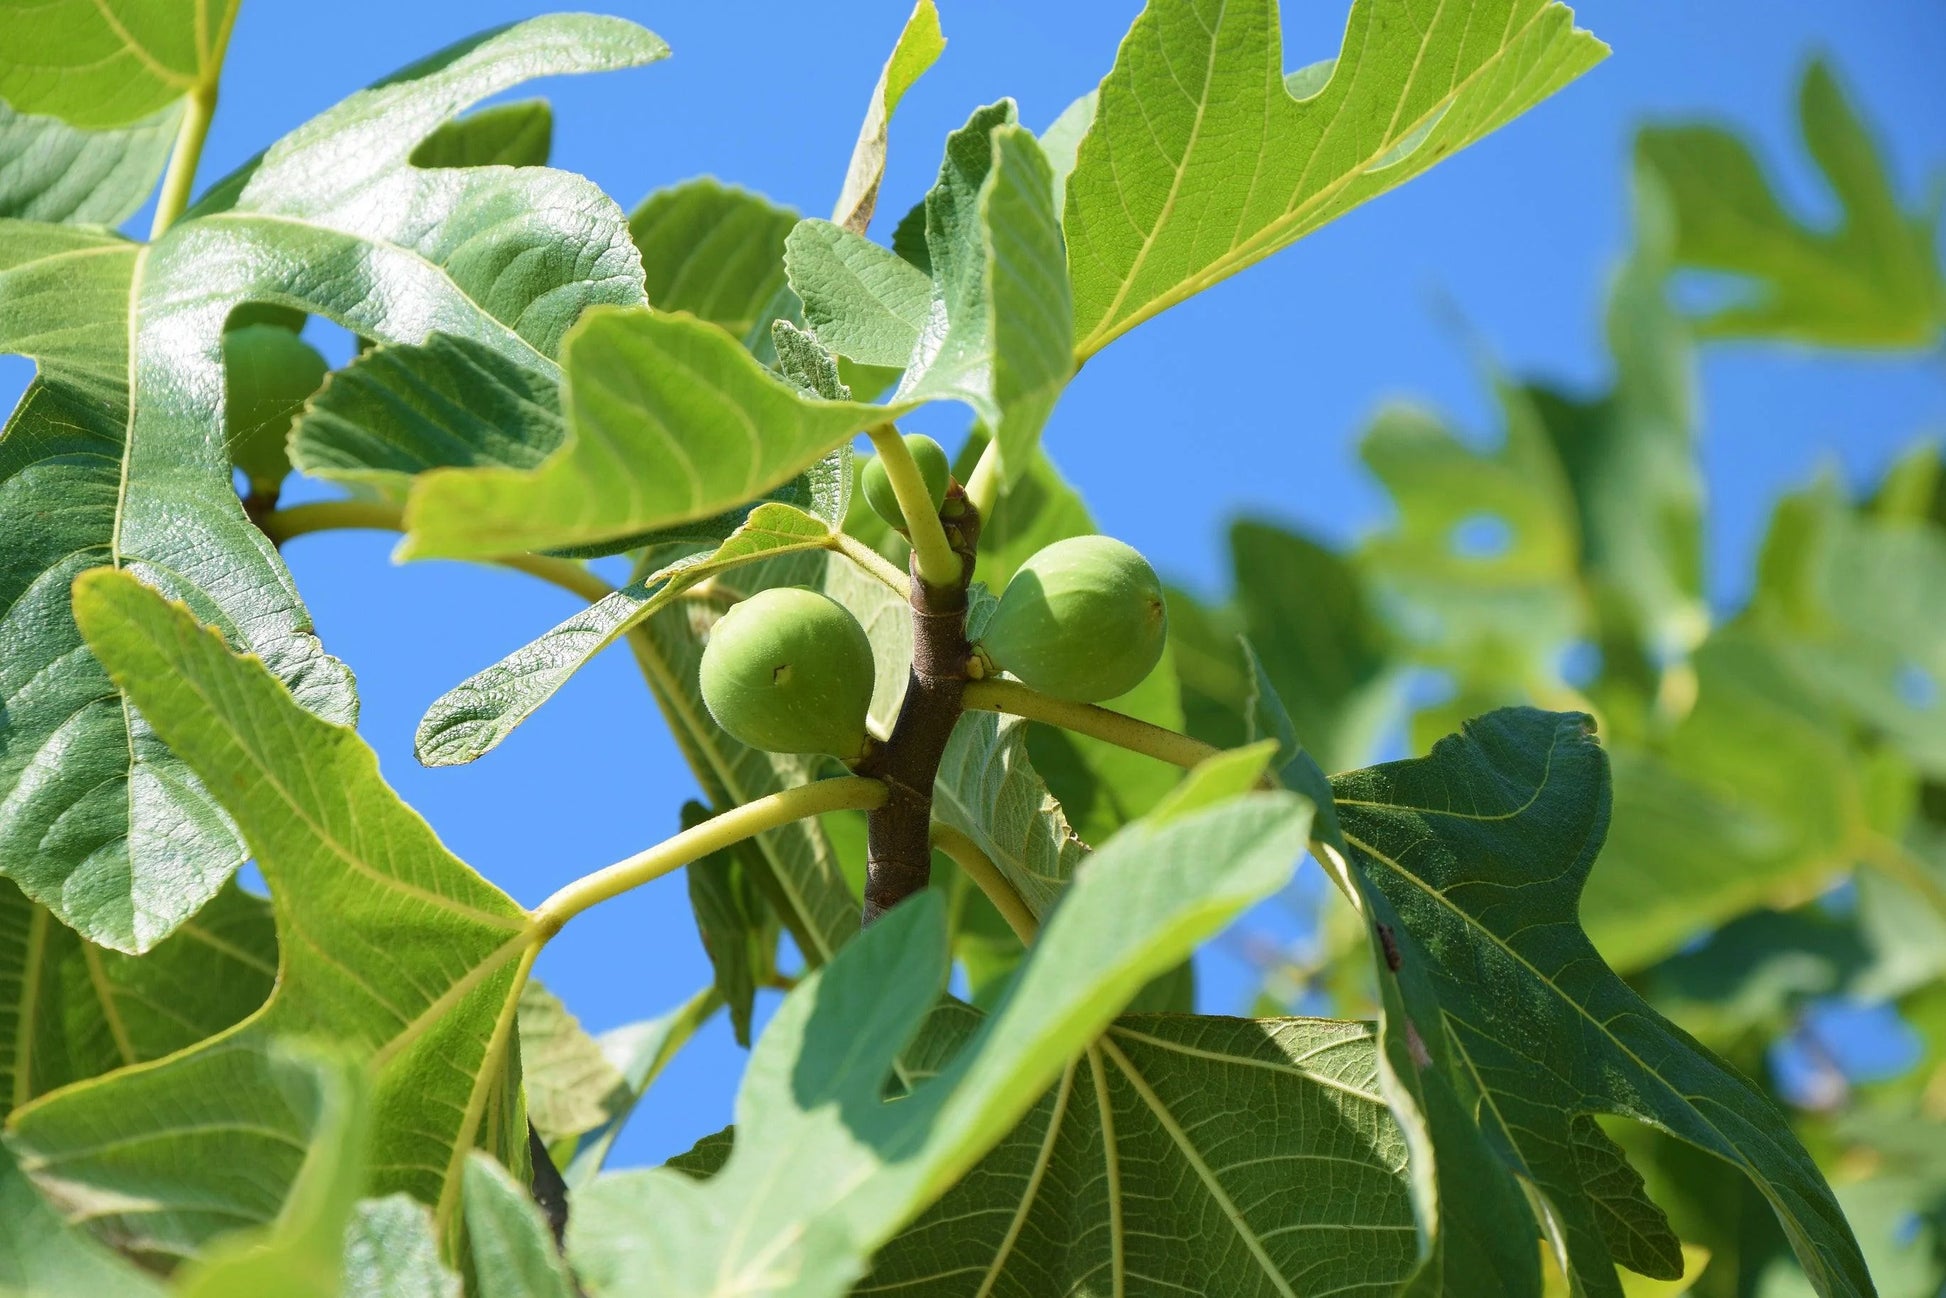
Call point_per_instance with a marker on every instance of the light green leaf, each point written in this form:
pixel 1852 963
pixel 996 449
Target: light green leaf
pixel 505 135
pixel 1702 832
pixel 389 946
pixel 397 412
pixel 1851 601
pixel 987 789
pixel 638 1052
pixel 716 252
pixel 101 63
pixel 670 420
pixel 823 1171
pixel 301 1254
pixel 1482 850
pixel 1872 281
pixel 41 1256
pixel 1200 161
pixel 1311 618
pixel 391 1251
pixel 1481 568
pixel 102 824
pixel 50 171
pixel 513 1254
pixel 70 1010
pixel 738 929
pixel 918 48
pixel 1181 1154
pixel 863 300
pixel 998 334
pixel 569 1082
pixel 472 718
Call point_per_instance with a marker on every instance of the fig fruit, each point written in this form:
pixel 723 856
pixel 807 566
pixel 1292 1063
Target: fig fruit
pixel 1082 620
pixel 268 375
pixel 789 670
pixel 930 456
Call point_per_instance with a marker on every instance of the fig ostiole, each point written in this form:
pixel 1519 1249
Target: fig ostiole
pixel 789 670
pixel 934 469
pixel 1083 620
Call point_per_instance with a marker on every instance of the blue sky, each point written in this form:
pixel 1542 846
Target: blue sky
pixel 1271 375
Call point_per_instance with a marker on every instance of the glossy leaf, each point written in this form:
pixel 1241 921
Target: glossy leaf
pixel 1873 280
pixel 389 946
pixel 50 171
pixel 1165 199
pixel 103 824
pixel 823 1171
pixel 918 47
pixel 1482 849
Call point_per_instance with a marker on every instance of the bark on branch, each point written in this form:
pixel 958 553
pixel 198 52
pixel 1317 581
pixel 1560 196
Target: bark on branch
pixel 898 851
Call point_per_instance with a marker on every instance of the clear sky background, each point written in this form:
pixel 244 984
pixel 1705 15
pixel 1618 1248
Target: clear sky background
pixel 1271 375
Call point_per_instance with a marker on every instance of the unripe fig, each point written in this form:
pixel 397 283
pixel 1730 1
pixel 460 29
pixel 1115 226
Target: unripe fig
pixel 930 456
pixel 789 670
pixel 269 373
pixel 1082 620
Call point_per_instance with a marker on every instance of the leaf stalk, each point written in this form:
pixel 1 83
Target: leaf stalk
pixel 1119 729
pixel 987 876
pixel 773 811
pixel 933 554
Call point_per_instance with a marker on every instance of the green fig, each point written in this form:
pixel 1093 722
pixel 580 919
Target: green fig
pixel 789 670
pixel 268 375
pixel 930 456
pixel 1082 620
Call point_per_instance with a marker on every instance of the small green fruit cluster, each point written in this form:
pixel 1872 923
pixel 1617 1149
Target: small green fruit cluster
pixel 789 670
pixel 1082 620
pixel 934 469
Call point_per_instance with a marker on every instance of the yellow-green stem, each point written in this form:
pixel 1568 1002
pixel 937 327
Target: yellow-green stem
pixel 938 565
pixel 845 793
pixel 1086 719
pixel 281 525
pixel 873 562
pixel 979 867
pixel 180 179
pixel 983 487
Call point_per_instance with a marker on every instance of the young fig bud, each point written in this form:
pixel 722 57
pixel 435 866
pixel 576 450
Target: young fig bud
pixel 930 456
pixel 1082 620
pixel 789 670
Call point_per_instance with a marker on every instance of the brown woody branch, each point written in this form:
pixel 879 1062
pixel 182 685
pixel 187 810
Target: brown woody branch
pixel 898 850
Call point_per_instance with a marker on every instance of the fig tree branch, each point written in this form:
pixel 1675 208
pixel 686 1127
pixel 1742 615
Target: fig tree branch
pixel 898 836
pixel 844 793
pixel 1101 723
